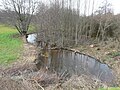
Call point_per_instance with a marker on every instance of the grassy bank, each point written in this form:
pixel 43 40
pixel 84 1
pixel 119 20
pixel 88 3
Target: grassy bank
pixel 10 46
pixel 110 88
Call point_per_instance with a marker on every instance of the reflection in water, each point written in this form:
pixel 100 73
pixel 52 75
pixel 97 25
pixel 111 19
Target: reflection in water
pixel 76 63
pixel 61 61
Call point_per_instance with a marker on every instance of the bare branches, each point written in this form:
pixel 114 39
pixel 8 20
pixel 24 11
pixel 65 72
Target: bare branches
pixel 24 10
pixel 64 23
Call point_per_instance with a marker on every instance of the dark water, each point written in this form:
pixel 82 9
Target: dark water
pixel 66 62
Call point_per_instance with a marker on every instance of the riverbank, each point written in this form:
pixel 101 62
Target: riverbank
pixel 107 52
pixel 24 75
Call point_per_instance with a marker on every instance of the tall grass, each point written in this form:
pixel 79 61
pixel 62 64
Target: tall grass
pixel 10 46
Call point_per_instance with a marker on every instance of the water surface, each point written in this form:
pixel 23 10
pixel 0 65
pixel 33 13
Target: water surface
pixel 71 63
pixel 67 62
pixel 32 38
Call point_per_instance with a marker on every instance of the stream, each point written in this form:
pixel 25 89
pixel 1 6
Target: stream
pixel 32 38
pixel 68 63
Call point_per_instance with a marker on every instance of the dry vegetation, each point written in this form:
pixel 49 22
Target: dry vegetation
pixel 60 24
pixel 22 78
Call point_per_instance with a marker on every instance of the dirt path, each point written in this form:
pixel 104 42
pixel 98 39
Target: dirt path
pixel 28 54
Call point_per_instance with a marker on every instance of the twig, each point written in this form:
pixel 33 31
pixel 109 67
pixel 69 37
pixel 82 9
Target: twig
pixel 38 84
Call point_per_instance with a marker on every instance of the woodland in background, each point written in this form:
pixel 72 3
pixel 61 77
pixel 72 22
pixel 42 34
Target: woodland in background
pixel 61 24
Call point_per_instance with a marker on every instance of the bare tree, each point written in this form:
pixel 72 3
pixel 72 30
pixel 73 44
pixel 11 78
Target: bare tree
pixel 24 10
pixel 61 23
pixel 105 17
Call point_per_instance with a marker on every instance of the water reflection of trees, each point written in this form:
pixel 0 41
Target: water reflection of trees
pixel 68 62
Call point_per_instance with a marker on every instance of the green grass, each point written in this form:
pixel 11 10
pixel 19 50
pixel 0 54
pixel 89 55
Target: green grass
pixel 10 46
pixel 114 54
pixel 110 88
